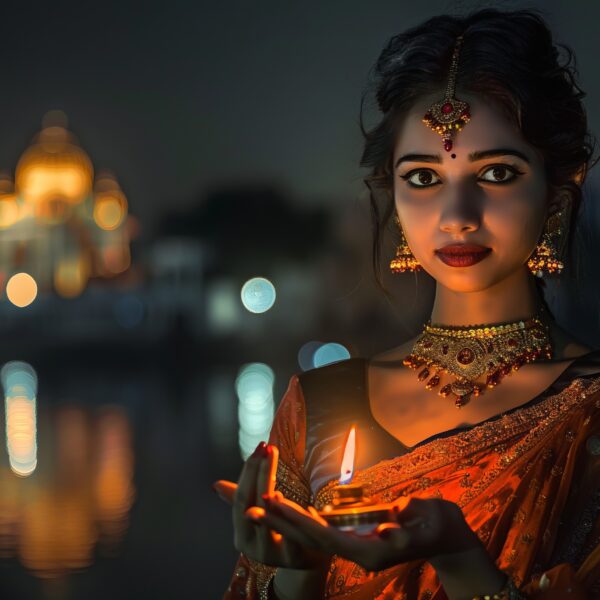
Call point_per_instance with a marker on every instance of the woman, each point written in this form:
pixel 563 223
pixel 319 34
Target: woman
pixel 479 157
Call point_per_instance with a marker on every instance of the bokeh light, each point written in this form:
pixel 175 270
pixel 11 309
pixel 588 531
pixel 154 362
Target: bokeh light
pixel 21 289
pixel 54 172
pixel 254 387
pixel 330 353
pixel 9 212
pixel 19 381
pixel 306 354
pixel 71 276
pixel 258 295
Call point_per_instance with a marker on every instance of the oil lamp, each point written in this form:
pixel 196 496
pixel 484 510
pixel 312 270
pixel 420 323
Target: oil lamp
pixel 350 509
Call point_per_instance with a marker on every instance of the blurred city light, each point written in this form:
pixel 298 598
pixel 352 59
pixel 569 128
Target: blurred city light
pixel 54 173
pixel 330 353
pixel 71 275
pixel 110 204
pixel 258 295
pixel 223 312
pixel 254 387
pixel 306 355
pixel 9 207
pixel 19 381
pixel 21 289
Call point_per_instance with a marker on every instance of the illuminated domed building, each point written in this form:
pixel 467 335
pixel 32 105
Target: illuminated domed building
pixel 59 225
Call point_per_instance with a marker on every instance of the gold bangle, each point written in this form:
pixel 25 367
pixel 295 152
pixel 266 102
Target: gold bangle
pixel 508 592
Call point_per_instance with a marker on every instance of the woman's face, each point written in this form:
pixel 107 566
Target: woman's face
pixel 499 201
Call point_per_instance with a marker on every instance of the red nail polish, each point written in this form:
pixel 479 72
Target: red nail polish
pixel 261 450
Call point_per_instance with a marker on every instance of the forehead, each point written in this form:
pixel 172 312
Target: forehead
pixel 488 128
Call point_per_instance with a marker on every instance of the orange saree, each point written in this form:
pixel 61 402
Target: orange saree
pixel 528 482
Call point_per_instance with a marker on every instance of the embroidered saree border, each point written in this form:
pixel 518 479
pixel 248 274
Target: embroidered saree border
pixel 442 452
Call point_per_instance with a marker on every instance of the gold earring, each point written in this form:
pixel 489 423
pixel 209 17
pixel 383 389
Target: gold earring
pixel 545 259
pixel 404 259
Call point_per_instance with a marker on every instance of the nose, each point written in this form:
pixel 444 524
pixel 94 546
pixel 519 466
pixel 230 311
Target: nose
pixel 461 211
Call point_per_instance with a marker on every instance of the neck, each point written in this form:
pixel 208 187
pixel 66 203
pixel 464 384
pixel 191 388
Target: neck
pixel 514 298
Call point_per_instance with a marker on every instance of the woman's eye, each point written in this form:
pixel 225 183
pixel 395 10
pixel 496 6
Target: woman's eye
pixel 498 174
pixel 421 178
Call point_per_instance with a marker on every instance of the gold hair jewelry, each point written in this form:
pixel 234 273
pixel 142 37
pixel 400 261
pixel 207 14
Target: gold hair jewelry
pixel 545 257
pixel 474 350
pixel 404 260
pixel 450 115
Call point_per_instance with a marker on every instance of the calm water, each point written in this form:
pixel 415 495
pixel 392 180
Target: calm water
pixel 120 504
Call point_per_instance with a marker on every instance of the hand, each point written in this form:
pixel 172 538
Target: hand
pixel 422 529
pixel 252 535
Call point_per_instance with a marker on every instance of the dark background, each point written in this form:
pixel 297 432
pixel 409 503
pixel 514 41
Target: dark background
pixel 233 130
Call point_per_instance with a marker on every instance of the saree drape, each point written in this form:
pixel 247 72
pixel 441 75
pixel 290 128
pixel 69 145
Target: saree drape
pixel 528 482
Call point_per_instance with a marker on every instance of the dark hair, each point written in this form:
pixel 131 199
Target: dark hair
pixel 506 57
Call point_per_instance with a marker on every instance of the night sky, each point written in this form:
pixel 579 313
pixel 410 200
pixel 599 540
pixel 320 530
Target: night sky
pixel 177 98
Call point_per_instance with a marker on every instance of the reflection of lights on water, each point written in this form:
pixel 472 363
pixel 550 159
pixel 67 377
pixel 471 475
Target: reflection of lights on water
pixel 128 311
pixel 114 478
pixel 306 355
pixel 21 289
pixel 258 295
pixel 20 390
pixel 330 353
pixel 254 387
pixel 53 523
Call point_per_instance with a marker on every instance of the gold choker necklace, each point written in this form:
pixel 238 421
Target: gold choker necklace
pixel 471 351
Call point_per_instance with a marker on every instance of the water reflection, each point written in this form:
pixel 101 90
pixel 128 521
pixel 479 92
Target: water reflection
pixel 78 499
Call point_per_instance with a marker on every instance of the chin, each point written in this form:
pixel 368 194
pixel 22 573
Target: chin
pixel 466 282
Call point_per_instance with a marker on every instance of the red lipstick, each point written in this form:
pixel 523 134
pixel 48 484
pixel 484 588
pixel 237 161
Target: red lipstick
pixel 462 255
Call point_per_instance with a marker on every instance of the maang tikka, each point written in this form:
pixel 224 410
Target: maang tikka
pixel 446 117
pixel 449 115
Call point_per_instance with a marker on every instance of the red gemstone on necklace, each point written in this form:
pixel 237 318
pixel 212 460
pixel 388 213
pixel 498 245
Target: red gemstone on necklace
pixel 447 108
pixel 465 356
pixel 512 342
pixel 445 349
pixel 447 145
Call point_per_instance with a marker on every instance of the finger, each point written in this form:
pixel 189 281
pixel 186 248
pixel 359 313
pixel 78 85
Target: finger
pixel 245 494
pixel 225 490
pixel 265 484
pixel 288 530
pixel 315 515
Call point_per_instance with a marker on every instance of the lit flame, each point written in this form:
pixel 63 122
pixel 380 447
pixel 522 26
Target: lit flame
pixel 347 469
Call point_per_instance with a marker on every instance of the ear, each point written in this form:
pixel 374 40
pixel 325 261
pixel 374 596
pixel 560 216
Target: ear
pixel 560 199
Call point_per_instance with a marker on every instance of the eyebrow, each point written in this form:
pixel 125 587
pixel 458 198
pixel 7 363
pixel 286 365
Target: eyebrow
pixel 474 156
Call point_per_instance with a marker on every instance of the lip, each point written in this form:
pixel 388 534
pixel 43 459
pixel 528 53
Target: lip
pixel 462 255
